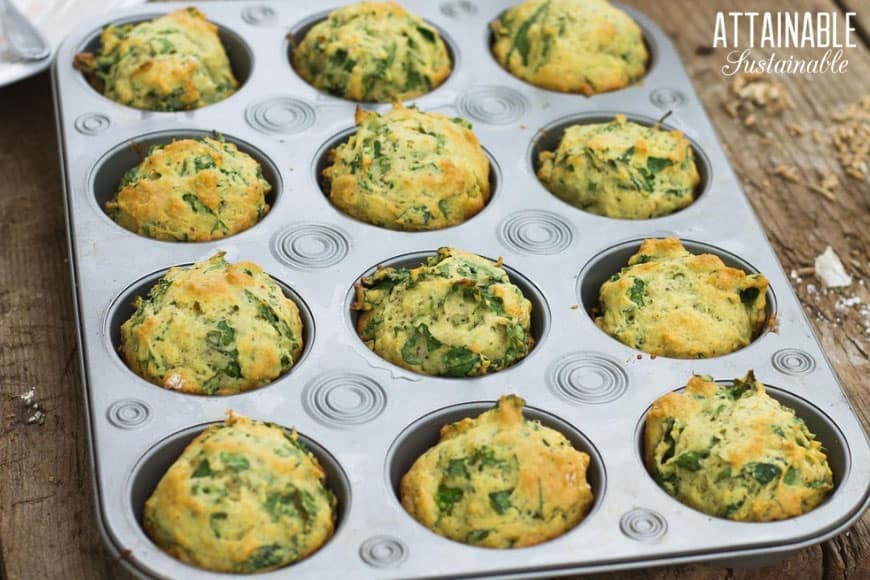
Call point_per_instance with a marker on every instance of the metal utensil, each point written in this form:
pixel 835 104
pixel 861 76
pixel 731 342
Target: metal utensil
pixel 24 39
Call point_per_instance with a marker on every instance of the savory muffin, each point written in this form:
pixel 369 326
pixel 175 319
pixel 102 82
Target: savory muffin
pixel 409 170
pixel 373 52
pixel 621 169
pixel 456 315
pixel 572 46
pixel 172 63
pixel 213 328
pixel 670 302
pixel 191 190
pixel 244 496
pixel 734 452
pixel 499 481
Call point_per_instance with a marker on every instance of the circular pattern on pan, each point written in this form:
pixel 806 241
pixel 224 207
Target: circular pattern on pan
pixel 588 378
pixel 92 123
pixel 494 105
pixel 383 552
pixel 793 361
pixel 280 115
pixel 342 399
pixel 259 15
pixel 667 99
pixel 643 525
pixel 535 232
pixel 311 246
pixel 128 413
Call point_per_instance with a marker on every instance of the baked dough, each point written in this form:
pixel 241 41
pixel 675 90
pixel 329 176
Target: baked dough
pixel 499 481
pixel 191 190
pixel 670 302
pixel 735 452
pixel 244 496
pixel 172 63
pixel 621 169
pixel 213 328
pixel 455 315
pixel 409 170
pixel 572 46
pixel 373 52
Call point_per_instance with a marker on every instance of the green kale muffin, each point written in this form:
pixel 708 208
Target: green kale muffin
pixel 735 452
pixel 456 315
pixel 621 169
pixel 572 46
pixel 409 170
pixel 213 328
pixel 191 190
pixel 172 63
pixel 499 481
pixel 670 302
pixel 245 496
pixel 373 52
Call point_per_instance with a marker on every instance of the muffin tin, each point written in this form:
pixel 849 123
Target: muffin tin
pixel 366 419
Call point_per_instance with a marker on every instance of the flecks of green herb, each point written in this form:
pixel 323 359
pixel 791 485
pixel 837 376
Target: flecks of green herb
pixel 501 500
pixel 635 293
pixel 418 345
pixel 203 469
pixel 691 460
pixel 460 361
pixel 763 472
pixel 446 497
pixel 235 461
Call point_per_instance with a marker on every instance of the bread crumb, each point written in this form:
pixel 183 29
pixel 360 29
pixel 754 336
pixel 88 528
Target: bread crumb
pixel 826 186
pixel 795 130
pixel 762 91
pixel 851 138
pixel 787 172
pixel 830 270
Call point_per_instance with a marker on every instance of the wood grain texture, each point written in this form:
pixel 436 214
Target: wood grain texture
pixel 47 517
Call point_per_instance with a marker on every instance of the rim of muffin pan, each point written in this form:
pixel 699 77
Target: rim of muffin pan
pixel 156 461
pixel 239 53
pixel 299 30
pixel 106 174
pixel 649 41
pixel 423 433
pixel 321 162
pixel 121 309
pixel 539 323
pixel 548 137
pixel 609 261
pixel 827 432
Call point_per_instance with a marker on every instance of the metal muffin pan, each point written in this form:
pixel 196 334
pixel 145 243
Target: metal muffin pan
pixel 367 419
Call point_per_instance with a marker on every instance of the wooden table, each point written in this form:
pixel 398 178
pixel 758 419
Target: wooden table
pixel 47 517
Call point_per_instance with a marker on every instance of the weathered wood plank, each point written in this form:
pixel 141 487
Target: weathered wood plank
pixel 47 517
